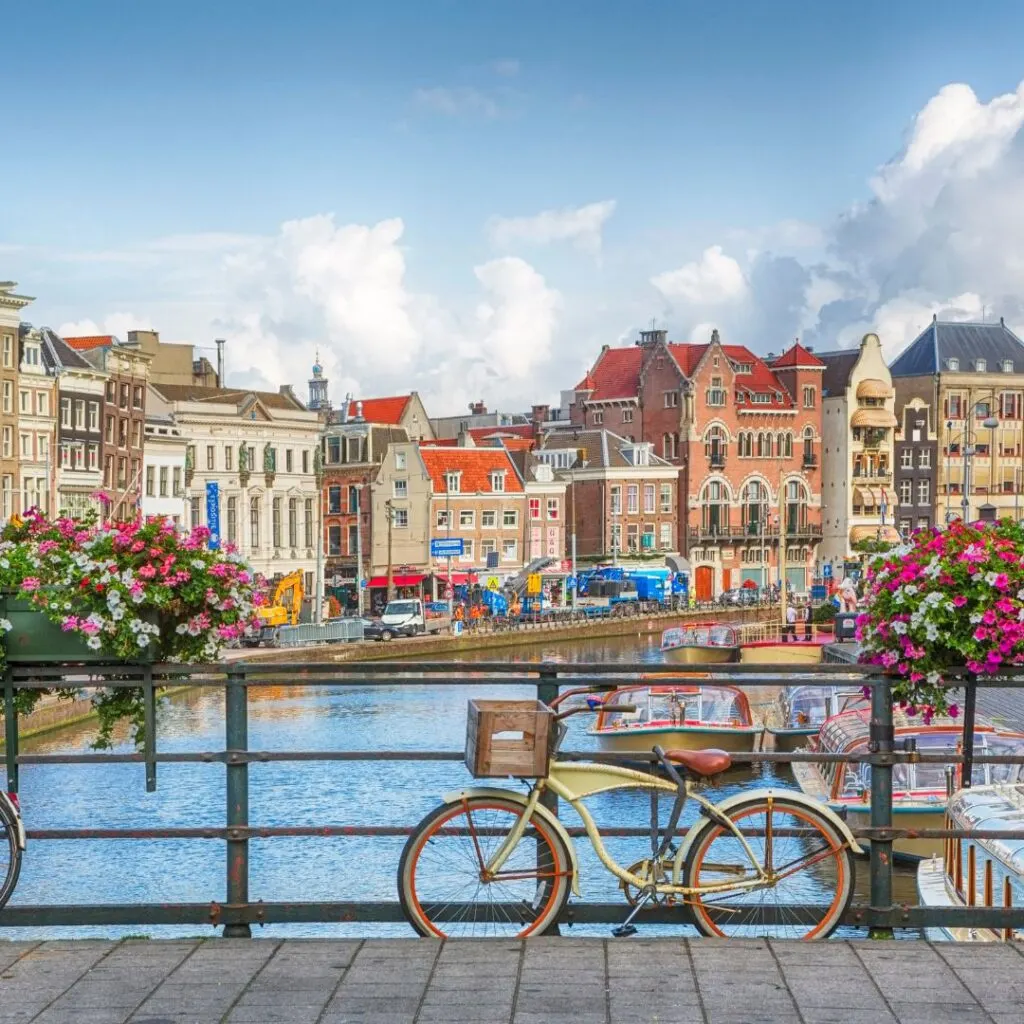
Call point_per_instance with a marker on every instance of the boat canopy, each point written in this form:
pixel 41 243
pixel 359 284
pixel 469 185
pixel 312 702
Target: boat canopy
pixel 679 705
pixel 712 635
pixel 810 706
pixel 993 807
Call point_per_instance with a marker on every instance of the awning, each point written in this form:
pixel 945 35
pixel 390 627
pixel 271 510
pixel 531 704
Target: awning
pixel 460 579
pixel 872 387
pixel 881 418
pixel 677 563
pixel 407 580
pixel 866 496
pixel 887 533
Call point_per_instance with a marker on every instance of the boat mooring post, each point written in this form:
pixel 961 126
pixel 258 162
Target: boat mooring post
pixel 881 742
pixel 236 724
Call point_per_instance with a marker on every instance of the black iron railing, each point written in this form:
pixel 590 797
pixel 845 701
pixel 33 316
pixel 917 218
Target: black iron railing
pixel 239 911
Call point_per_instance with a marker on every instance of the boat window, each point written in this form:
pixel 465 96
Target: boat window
pixel 691 705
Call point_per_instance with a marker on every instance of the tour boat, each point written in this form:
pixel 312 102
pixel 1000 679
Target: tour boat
pixel 977 872
pixel 677 716
pixel 800 711
pixel 700 643
pixel 919 790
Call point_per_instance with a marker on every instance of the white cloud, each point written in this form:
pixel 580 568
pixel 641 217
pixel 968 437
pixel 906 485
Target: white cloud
pixel 714 279
pixel 456 102
pixel 581 225
pixel 118 324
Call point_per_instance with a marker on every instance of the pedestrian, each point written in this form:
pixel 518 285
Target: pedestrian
pixel 790 622
pixel 807 621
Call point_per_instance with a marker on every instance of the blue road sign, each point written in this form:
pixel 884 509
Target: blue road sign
pixel 446 547
pixel 213 515
pixel 826 571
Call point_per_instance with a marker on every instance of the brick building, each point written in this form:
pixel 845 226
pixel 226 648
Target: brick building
pixel 744 436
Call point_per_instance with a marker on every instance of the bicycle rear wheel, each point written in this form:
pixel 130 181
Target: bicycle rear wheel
pixel 10 857
pixel 443 887
pixel 809 865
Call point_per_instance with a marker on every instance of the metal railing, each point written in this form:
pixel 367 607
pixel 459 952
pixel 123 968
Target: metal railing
pixel 239 911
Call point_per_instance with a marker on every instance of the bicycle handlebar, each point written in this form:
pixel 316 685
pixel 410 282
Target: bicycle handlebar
pixel 627 708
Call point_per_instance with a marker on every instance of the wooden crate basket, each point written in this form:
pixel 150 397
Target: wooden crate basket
pixel 508 737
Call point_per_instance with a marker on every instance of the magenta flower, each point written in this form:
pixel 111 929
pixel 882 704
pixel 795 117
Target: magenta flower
pixel 31 584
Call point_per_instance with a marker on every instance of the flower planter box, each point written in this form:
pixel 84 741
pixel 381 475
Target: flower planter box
pixel 35 639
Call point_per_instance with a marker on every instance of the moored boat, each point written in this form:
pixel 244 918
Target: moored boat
pixel 800 711
pixel 700 643
pixel 919 789
pixel 677 716
pixel 977 872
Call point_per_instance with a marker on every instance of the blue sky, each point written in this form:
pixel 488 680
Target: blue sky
pixel 470 198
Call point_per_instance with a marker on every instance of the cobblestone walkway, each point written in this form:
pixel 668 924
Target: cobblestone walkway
pixel 545 981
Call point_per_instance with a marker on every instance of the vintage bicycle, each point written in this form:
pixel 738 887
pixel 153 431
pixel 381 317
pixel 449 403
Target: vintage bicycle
pixel 496 862
pixel 12 844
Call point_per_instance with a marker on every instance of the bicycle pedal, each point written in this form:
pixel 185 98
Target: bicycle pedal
pixel 624 931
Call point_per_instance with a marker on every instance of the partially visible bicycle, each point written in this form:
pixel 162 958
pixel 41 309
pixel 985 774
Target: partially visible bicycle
pixel 12 844
pixel 495 862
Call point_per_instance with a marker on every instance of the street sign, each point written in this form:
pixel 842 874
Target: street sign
pixel 213 515
pixel 533 583
pixel 446 547
pixel 826 571
pixel 492 583
pixel 363 583
pixel 570 583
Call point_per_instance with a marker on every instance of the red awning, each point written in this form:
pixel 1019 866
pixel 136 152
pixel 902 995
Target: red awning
pixel 460 578
pixel 410 580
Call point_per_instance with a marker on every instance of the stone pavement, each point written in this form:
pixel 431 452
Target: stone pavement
pixel 543 981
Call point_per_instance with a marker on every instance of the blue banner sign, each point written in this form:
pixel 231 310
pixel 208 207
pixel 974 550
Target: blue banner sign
pixel 213 514
pixel 446 547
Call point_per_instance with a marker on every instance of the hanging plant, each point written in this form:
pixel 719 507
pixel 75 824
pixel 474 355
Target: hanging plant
pixel 134 591
pixel 950 599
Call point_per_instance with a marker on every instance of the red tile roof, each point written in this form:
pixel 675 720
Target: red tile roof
pixel 798 356
pixel 760 379
pixel 481 435
pixel 381 410
pixel 83 344
pixel 616 374
pixel 475 465
pixel 687 356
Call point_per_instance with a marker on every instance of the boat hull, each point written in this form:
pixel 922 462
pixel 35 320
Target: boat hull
pixel 799 652
pixel 859 816
pixel 933 890
pixel 638 740
pixel 789 740
pixel 700 655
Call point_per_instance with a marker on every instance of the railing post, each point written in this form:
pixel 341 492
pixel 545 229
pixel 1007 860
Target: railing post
pixel 970 703
pixel 547 691
pixel 236 719
pixel 10 732
pixel 149 725
pixel 881 742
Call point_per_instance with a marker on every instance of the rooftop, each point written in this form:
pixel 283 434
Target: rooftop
pixel 929 353
pixel 476 466
pixel 615 375
pixel 85 342
pixel 226 396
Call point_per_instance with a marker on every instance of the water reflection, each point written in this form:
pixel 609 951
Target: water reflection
pixel 390 717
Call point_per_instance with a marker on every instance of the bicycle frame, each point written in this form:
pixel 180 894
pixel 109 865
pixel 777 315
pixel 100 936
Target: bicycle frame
pixel 574 781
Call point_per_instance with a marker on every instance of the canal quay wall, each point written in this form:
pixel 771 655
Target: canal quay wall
pixel 53 714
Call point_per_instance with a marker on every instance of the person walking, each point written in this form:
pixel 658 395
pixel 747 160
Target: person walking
pixel 790 623
pixel 807 620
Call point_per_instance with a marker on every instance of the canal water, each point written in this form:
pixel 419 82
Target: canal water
pixel 301 793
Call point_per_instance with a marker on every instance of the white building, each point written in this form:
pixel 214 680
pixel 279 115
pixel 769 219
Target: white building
pixel 163 470
pixel 258 447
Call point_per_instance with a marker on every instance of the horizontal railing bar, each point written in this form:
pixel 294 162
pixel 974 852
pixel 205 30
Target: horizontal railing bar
pixel 216 914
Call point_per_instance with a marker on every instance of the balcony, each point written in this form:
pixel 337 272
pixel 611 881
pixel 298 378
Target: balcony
pixel 810 461
pixel 874 476
pixel 752 532
pixel 717 460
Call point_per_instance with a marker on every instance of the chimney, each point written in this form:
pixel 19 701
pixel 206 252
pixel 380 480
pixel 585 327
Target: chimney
pixel 539 415
pixel 220 362
pixel 478 408
pixel 359 412
pixel 715 339
pixel 808 348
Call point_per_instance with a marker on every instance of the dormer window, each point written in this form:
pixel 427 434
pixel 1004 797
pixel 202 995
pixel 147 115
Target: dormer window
pixel 953 365
pixel 1007 366
pixel 980 365
pixel 498 480
pixel 453 482
pixel 31 355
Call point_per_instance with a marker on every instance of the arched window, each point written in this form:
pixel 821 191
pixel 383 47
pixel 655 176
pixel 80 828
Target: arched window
pixel 743 444
pixel 666 446
pixel 796 507
pixel 786 441
pixel 715 443
pixel 764 446
pixel 675 446
pixel 754 502
pixel 808 446
pixel 714 504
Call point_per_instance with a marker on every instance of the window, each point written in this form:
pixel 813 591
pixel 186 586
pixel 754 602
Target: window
pixel 353 500
pixel 122 472
pixel 354 540
pixel 922 523
pixel 980 365
pixel 111 391
pixel 616 536
pixel 293 522
pixel 334 451
pixel 808 397
pixel 123 403
pixel 535 508
pixel 907 458
pixel 65 411
pixel 333 540
pixel 671 399
pixel 94 456
pixel 616 504
pixel 716 393
pixel 5 447
pixel 163 481
pixel 210 457
pixel 632 537
pixel 510 517
pixel 442 519
pixel 924 458
pixel 79 414
pixel 307 522
pixel 287 460
pixel 401 518
pixel 508 550
pixel 275 522
pixel 305 460
pixel 94 417
pixel 228 456
pixel 489 519
pixel 251 457
pixel 627 415
pixel 598 418
pixel 399 460
pixel 122 433
pixel 150 476
pixel 467 550
pixel 924 492
pixel 24 402
pixel 906 487
pixel 954 407
pixel 665 538
pixel 26 446
pixel 195 512
pixel 137 396
pixel 552 508
pixel 333 500
pixel 400 488
pixel 498 481
pixel 649 497
pixel 666 498
pixel 632 499
pixel 109 433
pixel 232 523
pixel 487 547
pixel 8 362
pixel 467 518
pixel 64 456
pixel 8 405
pixel 953 365
pixel 452 482
pixel 31 355
pixel 1007 366
pixel 137 434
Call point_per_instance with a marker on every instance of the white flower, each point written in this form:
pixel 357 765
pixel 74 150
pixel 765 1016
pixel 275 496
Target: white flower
pixel 142 640
pixel 975 618
pixel 138 596
pixel 117 614
pixel 93 642
pixel 899 628
pixel 910 590
pixel 181 629
pixel 931 631
pixel 198 563
pixel 933 678
pixel 6 625
pixel 990 578
pixel 951 608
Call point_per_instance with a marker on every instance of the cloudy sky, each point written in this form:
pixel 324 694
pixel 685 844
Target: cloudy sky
pixel 471 198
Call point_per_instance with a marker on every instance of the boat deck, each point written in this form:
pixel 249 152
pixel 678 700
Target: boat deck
pixel 542 981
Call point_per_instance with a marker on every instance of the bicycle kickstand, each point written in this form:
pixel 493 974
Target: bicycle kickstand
pixel 627 927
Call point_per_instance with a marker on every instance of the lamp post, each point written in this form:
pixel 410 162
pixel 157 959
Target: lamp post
pixel 359 548
pixel 990 423
pixel 389 508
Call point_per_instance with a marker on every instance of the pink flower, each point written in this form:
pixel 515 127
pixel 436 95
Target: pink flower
pixel 31 583
pixel 959 600
pixel 1002 581
pixel 147 572
pixel 954 710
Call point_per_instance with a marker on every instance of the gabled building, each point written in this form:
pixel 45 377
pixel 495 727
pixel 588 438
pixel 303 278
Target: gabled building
pixel 37 417
pixel 11 305
pixel 967 374
pixel 859 426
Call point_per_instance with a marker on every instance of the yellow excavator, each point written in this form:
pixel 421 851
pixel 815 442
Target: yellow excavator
pixel 283 610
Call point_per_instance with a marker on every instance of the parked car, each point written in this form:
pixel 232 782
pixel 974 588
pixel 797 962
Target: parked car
pixel 374 629
pixel 739 597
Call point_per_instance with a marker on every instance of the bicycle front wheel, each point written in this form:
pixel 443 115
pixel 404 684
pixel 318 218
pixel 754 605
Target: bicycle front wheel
pixel 10 858
pixel 808 871
pixel 446 891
